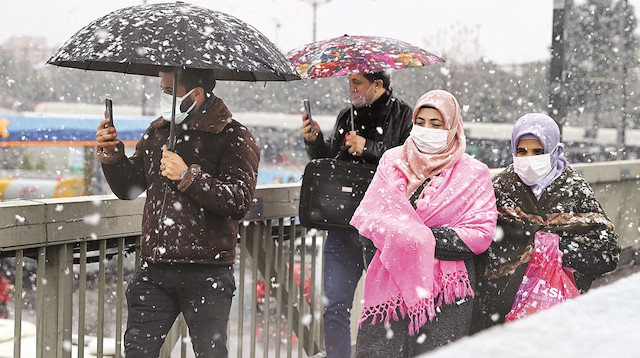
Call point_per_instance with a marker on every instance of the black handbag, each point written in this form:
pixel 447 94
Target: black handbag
pixel 331 191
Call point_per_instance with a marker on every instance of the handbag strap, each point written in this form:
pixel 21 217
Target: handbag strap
pixel 414 197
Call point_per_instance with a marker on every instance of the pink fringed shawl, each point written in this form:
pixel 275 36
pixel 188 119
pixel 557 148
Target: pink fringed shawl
pixel 404 273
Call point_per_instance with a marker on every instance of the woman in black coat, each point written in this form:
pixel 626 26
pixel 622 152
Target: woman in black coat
pixel 541 192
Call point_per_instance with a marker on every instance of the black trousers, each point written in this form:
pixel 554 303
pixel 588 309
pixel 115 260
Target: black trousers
pixel 159 292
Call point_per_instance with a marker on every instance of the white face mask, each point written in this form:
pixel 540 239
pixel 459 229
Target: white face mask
pixel 429 140
pixel 532 169
pixel 166 104
pixel 359 99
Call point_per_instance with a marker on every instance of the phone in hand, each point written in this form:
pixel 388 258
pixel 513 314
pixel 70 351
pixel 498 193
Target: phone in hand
pixel 307 108
pixel 108 103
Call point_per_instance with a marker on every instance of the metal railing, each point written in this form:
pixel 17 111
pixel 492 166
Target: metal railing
pixel 55 244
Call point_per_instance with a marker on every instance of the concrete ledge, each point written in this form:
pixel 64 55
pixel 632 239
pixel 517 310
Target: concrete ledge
pixel 609 171
pixel 30 223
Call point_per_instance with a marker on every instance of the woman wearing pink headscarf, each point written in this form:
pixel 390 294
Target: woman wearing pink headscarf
pixel 429 210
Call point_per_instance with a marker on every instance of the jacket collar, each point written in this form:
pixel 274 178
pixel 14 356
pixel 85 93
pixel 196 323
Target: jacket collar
pixel 383 101
pixel 212 118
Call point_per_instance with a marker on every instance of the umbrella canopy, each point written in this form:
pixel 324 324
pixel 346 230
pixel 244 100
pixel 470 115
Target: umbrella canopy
pixel 350 55
pixel 346 55
pixel 147 39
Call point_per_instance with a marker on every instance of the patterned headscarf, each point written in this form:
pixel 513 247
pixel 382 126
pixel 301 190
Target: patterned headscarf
pixel 543 128
pixel 418 166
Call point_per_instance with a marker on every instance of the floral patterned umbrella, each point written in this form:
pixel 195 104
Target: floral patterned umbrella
pixel 347 55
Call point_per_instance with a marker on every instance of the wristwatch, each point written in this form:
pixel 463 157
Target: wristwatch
pixel 184 172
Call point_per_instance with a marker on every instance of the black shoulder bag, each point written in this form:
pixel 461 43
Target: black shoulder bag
pixel 331 191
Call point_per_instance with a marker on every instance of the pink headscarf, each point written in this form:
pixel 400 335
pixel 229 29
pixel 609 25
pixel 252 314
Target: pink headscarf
pixel 418 166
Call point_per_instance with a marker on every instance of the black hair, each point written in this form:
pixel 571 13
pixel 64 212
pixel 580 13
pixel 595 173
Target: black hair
pixel 192 78
pixel 381 75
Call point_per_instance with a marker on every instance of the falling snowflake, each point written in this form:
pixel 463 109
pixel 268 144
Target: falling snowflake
pixel 93 219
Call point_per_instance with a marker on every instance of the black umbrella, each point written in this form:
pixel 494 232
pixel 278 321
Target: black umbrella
pixel 147 39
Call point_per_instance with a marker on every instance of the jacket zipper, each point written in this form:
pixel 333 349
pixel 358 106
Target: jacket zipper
pixel 164 199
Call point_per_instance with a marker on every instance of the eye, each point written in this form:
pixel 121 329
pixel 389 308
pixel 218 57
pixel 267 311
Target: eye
pixel 538 151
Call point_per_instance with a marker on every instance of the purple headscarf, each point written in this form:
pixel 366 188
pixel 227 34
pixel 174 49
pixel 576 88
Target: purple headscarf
pixel 543 128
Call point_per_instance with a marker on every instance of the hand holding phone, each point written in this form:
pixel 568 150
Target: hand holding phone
pixel 106 136
pixel 108 103
pixel 307 108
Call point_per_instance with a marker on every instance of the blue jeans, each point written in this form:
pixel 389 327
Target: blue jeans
pixel 159 292
pixel 344 261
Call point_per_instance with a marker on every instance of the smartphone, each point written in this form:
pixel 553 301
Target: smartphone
pixel 307 108
pixel 108 103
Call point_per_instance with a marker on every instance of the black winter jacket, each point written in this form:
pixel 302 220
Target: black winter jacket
pixel 385 124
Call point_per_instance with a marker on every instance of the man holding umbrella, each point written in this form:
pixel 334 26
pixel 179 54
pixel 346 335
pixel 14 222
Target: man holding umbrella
pixel 196 195
pixel 197 165
pixel 381 121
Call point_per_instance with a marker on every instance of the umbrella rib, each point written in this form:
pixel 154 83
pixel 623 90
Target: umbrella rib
pixel 181 25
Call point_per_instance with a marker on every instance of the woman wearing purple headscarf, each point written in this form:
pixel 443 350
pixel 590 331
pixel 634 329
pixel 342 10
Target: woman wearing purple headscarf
pixel 539 191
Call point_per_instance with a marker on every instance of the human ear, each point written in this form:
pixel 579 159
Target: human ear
pixel 199 92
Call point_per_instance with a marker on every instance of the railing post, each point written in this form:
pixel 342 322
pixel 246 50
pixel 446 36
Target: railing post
pixel 54 311
pixel 18 303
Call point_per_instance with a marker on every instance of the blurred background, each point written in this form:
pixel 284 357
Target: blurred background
pixel 575 60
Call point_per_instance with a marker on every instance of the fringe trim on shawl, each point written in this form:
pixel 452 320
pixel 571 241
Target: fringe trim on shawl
pixel 385 311
pixel 455 285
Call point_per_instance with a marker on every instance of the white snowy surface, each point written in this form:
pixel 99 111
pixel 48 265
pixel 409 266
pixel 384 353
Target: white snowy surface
pixel 605 322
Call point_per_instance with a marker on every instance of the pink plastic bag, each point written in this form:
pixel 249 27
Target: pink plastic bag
pixel 545 282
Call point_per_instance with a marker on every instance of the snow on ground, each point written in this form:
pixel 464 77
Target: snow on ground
pixel 602 323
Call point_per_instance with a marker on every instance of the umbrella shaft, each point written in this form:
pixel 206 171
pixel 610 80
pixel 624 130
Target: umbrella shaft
pixel 172 128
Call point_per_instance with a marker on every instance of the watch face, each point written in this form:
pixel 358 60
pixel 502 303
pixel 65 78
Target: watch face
pixel 183 174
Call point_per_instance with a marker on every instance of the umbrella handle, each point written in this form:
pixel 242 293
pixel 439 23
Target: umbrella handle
pixel 353 129
pixel 172 127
